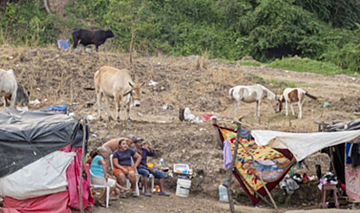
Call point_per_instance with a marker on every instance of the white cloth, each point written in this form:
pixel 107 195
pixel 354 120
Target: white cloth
pixel 45 176
pixel 101 181
pixel 302 145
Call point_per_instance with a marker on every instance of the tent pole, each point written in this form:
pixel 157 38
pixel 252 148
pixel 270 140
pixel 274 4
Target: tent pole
pixel 214 121
pixel 230 171
pixel 257 193
pixel 82 122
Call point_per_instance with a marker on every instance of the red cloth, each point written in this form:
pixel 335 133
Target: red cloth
pixel 56 202
pixel 72 176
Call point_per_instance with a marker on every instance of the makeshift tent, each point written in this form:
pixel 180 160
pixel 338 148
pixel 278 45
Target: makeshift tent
pixel 269 167
pixel 349 155
pixel 302 145
pixel 40 162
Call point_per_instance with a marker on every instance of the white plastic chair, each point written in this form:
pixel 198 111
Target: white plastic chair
pixel 137 176
pixel 104 185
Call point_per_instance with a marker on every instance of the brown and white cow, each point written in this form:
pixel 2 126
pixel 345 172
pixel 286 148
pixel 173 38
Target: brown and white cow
pixel 293 95
pixel 117 84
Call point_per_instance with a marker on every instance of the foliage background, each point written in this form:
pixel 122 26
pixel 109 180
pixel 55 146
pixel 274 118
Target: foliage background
pixel 316 30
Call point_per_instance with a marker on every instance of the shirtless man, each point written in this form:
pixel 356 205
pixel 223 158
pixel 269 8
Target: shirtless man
pixel 113 144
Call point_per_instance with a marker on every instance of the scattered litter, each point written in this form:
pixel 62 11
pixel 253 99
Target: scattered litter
pixel 153 83
pixel 90 117
pixel 24 109
pixel 94 135
pixel 10 57
pixel 168 106
pixel 326 104
pixel 140 114
pixel 38 89
pixel 88 49
pixel 190 117
pixel 63 44
pixel 58 109
pixel 34 102
pixel 202 129
pixel 159 63
pixel 71 114
pixel 206 117
pixel 353 79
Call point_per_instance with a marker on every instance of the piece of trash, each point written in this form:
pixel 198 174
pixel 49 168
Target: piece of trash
pixel 34 102
pixel 94 135
pixel 58 109
pixel 153 83
pixel 63 44
pixel 90 117
pixel 326 104
pixel 158 63
pixel 206 117
pixel 88 49
pixel 89 104
pixel 140 114
pixel 24 109
pixel 71 114
pixel 10 57
pixel 214 117
pixel 167 106
pixel 38 89
pixel 353 79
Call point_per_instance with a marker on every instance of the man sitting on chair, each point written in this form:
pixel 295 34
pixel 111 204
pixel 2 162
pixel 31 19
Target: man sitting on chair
pixel 145 171
pixel 122 165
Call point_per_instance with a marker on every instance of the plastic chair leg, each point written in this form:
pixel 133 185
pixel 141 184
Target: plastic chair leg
pixel 107 196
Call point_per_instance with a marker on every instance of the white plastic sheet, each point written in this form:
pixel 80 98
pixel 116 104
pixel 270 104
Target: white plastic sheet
pixel 44 176
pixel 302 145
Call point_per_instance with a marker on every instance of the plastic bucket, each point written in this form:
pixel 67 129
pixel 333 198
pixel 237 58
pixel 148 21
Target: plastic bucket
pixel 183 187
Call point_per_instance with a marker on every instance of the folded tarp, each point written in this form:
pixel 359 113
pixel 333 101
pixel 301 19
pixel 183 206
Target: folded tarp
pixel 45 176
pixel 303 144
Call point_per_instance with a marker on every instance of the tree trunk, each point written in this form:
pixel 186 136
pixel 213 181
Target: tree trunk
pixel 132 45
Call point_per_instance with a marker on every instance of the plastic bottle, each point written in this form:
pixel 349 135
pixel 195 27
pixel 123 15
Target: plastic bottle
pixel 223 195
pixel 161 162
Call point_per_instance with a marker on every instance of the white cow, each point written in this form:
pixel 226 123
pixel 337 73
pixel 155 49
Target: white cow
pixel 116 84
pixel 8 86
pixel 249 94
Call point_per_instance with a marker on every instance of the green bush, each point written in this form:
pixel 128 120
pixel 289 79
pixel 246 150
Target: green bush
pixel 307 65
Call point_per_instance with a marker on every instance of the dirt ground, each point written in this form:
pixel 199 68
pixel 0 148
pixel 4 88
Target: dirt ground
pixel 59 77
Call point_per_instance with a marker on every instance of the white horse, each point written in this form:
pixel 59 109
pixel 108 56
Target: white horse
pixel 249 94
pixel 292 95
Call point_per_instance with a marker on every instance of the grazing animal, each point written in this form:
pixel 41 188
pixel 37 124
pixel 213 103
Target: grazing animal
pixel 116 84
pixel 249 94
pixel 8 86
pixel 22 96
pixel 86 37
pixel 293 95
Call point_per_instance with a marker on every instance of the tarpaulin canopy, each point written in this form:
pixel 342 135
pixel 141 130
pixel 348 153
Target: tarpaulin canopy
pixel 302 145
pixel 28 136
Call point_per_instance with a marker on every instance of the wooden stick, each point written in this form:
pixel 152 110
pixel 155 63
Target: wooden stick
pixel 230 171
pixel 214 121
pixel 83 123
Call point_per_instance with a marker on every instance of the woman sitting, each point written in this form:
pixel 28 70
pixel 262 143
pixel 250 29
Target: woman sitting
pixel 99 175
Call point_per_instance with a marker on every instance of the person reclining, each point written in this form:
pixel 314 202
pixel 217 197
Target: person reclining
pixel 122 165
pixel 98 174
pixel 145 171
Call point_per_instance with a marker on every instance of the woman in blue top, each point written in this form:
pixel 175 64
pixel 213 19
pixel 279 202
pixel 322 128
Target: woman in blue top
pixel 99 176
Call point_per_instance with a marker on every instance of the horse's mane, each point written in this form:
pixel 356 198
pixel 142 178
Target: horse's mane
pixel 270 95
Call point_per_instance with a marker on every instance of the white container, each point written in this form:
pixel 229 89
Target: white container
pixel 183 187
pixel 223 195
pixel 181 168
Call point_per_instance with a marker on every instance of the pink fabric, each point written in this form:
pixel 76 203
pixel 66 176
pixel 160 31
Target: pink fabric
pixel 56 202
pixel 72 175
pixel 352 182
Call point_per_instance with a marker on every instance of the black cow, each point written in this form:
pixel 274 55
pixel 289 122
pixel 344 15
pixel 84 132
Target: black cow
pixel 86 37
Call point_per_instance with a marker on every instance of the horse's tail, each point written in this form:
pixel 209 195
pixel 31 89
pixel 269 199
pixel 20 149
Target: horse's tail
pixel 231 94
pixel 310 96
